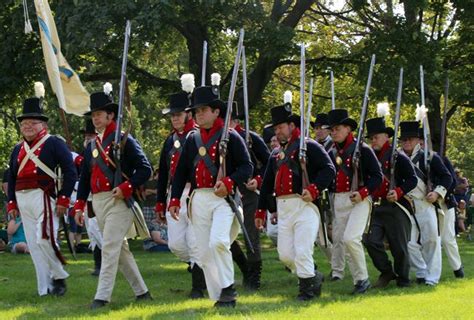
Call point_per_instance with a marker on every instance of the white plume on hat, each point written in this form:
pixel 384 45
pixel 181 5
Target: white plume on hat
pixel 421 112
pixel 215 79
pixel 108 88
pixel 383 109
pixel 187 82
pixel 39 89
pixel 287 97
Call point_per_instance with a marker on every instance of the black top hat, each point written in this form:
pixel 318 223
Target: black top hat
pixel 282 114
pixel 89 129
pixel 102 101
pixel 341 116
pixel 409 129
pixel 207 96
pixel 321 121
pixel 178 102
pixel 267 134
pixel 32 109
pixel 237 113
pixel 377 125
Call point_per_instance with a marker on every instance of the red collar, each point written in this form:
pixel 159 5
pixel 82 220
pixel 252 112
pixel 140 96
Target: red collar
pixel 109 130
pixel 347 143
pixel 40 135
pixel 384 149
pixel 207 133
pixel 190 125
pixel 239 129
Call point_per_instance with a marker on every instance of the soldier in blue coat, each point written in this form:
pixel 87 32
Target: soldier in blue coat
pixel 214 222
pixel 298 216
pixel 34 192
pixel 110 203
pixel 392 209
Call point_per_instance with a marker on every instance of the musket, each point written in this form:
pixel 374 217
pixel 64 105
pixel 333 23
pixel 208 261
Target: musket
pixel 360 136
pixel 333 98
pixel 225 138
pixel 442 147
pixel 310 105
pixel 303 146
pixel 427 146
pixel 248 140
pixel 394 155
pixel 204 62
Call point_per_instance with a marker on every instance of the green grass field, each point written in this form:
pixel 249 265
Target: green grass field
pixel 169 283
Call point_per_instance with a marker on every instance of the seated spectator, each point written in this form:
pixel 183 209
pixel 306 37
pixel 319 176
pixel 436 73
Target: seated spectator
pixel 159 237
pixel 17 243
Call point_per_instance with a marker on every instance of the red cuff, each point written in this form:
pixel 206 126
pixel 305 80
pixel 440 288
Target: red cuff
pixel 174 202
pixel 364 192
pixel 399 192
pixel 79 206
pixel 229 184
pixel 127 189
pixel 78 161
pixel 160 207
pixel 313 189
pixel 261 214
pixel 63 201
pixel 11 206
pixel 259 180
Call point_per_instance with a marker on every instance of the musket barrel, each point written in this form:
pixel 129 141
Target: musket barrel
pixel 204 63
pixel 302 90
pixel 246 97
pixel 310 104
pixel 395 135
pixel 333 98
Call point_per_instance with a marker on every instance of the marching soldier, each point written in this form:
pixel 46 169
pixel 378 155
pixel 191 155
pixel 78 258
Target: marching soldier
pixel 390 218
pixel 424 246
pixel 214 222
pixel 181 239
pixel 298 216
pixel 351 208
pixel 31 192
pixel 323 131
pixel 259 155
pixel 109 204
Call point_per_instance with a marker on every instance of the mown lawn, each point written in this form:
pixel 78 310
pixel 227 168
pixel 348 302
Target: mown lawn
pixel 169 283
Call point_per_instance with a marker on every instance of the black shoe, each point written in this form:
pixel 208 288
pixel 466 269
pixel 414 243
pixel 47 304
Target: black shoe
pixel 384 279
pixel 252 281
pixel 361 286
pixel 220 304
pixel 227 298
pixel 459 273
pixel 420 280
pixel 198 283
pixel 144 297
pixel 403 283
pixel 59 287
pixel 96 304
pixel 335 278
pixel 310 287
pixel 95 273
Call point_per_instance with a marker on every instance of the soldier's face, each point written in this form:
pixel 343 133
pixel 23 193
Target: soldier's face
pixel 340 132
pixel 378 140
pixel 274 143
pixel 101 119
pixel 283 131
pixel 205 116
pixel 31 127
pixel 321 133
pixel 178 120
pixel 409 144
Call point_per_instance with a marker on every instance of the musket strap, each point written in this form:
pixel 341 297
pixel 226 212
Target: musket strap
pixel 99 160
pixel 344 156
pixel 416 161
pixel 210 165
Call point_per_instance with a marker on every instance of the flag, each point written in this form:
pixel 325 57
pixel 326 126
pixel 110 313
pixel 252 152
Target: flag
pixel 72 96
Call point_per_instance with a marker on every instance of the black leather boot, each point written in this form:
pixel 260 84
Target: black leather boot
pixel 228 298
pixel 240 259
pixel 198 282
pixel 97 261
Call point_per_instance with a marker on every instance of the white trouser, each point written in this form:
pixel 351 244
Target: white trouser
pixel 425 258
pixel 448 237
pixel 272 229
pixel 93 232
pixel 115 219
pixel 181 238
pixel 349 224
pixel 47 265
pixel 215 228
pixel 298 224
